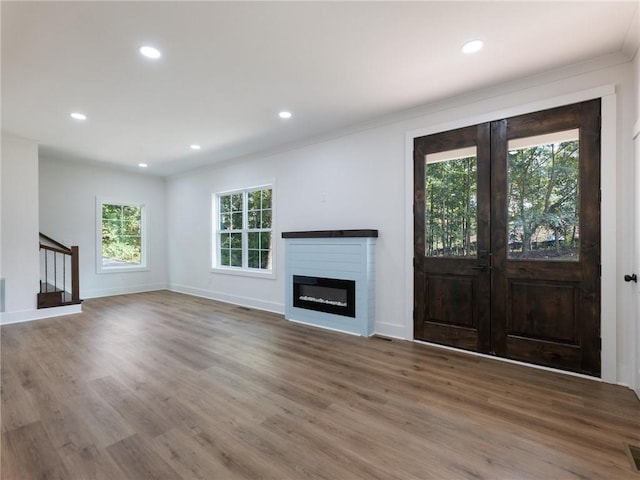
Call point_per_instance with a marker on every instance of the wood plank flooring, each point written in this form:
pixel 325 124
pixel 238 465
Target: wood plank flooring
pixel 167 386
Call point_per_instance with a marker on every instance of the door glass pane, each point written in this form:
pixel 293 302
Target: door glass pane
pixel 451 187
pixel 543 197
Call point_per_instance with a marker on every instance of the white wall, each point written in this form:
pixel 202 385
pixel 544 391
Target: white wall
pixel 360 191
pixel 68 192
pixel 19 263
pixel 367 183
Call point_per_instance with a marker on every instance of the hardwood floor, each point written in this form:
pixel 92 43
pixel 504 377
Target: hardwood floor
pixel 167 386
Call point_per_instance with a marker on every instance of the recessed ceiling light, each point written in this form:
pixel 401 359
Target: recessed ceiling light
pixel 78 116
pixel 194 147
pixel 150 52
pixel 472 47
pixel 143 165
pixel 284 114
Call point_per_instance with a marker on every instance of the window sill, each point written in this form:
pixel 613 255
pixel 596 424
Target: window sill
pixel 269 275
pixel 121 269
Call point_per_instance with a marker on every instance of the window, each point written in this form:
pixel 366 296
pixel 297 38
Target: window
pixel 121 237
pixel 244 227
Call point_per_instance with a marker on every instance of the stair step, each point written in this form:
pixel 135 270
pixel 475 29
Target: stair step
pixel 50 299
pixel 55 299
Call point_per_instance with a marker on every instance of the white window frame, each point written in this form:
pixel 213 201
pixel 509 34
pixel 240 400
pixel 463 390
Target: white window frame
pixel 142 267
pixel 215 234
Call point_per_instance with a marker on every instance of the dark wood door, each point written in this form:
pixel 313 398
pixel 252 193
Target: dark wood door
pixel 452 198
pixel 507 238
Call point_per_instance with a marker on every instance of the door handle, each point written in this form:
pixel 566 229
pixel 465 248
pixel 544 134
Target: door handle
pixel 483 261
pixel 631 278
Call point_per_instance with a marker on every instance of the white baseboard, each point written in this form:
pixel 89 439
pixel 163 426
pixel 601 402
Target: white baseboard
pixel 385 329
pixel 7 318
pixel 227 298
pixel 390 330
pixel 109 292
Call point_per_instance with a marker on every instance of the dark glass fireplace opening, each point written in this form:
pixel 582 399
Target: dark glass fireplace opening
pixel 329 295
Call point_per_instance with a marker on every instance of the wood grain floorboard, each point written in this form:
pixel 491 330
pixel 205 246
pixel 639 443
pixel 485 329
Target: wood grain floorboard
pixel 27 452
pixel 91 463
pixel 166 386
pixel 137 459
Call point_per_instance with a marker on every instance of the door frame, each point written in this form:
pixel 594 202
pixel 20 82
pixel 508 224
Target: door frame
pixel 634 338
pixel 608 313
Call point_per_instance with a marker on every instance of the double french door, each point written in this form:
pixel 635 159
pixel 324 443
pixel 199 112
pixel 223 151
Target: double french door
pixel 507 238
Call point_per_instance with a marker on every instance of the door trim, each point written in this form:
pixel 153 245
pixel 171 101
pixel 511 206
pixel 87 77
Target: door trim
pixel 634 340
pixel 608 313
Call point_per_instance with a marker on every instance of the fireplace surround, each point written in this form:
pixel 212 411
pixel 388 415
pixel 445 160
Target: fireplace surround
pixel 330 279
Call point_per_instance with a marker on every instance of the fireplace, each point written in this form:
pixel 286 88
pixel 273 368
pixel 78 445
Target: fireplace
pixel 330 279
pixel 329 295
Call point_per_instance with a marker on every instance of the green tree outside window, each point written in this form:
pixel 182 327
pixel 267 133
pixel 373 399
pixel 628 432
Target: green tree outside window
pixel 121 235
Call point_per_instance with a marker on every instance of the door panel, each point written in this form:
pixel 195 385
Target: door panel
pixel 452 235
pixel 452 299
pixel 528 288
pixel 546 297
pixel 530 300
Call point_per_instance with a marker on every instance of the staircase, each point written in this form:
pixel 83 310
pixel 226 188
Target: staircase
pixel 59 274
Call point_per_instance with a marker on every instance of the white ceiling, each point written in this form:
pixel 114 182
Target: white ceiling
pixel 228 68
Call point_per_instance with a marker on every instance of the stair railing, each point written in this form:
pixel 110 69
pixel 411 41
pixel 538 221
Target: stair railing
pixel 60 268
